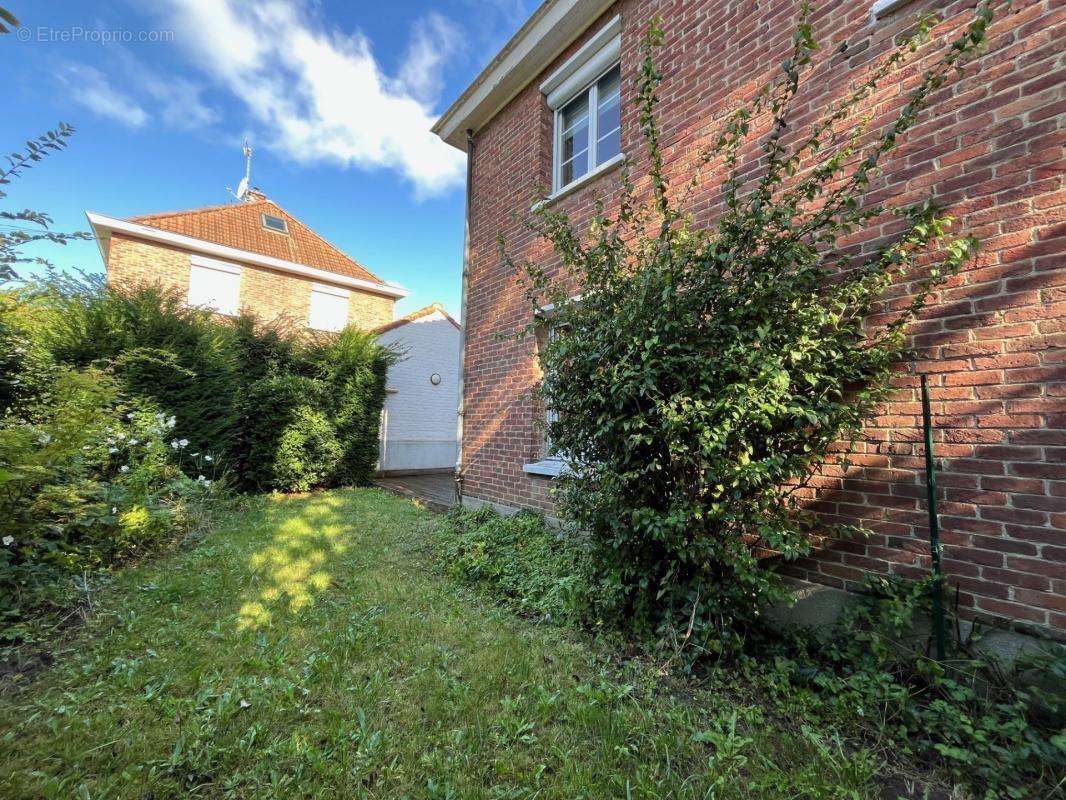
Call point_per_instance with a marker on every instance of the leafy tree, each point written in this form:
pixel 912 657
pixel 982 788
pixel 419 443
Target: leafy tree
pixel 24 227
pixel 704 377
pixel 7 21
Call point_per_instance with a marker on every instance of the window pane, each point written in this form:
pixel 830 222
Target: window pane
pixel 609 146
pixel 275 223
pixel 575 168
pixel 609 116
pixel 575 139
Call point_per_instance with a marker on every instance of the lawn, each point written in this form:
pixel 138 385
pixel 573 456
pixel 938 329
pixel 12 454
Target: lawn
pixel 309 648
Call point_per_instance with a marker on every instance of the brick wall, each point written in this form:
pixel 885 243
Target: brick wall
pixel 993 340
pixel 268 294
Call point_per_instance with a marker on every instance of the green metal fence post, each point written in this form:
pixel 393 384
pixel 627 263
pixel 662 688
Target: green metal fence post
pixel 934 525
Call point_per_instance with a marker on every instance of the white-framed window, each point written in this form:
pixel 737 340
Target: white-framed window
pixel 588 129
pixel 215 285
pixel 276 224
pixel 585 95
pixel 329 308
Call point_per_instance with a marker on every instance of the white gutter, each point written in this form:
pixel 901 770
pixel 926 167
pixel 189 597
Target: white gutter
pixel 551 29
pixel 104 225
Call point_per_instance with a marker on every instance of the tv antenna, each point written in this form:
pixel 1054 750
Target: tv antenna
pixel 242 187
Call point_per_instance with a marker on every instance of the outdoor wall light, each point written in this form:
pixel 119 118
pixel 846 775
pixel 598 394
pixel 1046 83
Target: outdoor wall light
pixel 435 379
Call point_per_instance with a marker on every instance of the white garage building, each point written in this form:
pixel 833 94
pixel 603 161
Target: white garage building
pixel 418 424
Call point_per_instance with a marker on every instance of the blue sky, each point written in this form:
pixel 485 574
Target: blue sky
pixel 335 97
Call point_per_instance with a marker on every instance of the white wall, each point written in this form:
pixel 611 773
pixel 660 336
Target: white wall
pixel 419 420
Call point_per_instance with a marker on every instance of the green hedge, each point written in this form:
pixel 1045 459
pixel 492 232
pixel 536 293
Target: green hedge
pixel 282 410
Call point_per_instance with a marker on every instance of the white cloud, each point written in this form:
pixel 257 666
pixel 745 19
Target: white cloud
pixel 90 88
pixel 145 94
pixel 320 94
pixel 180 104
pixel 434 40
pixel 175 100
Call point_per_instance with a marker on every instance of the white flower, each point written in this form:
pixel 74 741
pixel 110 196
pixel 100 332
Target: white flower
pixel 130 415
pixel 114 509
pixel 171 422
pixel 194 455
pixel 123 468
pixel 112 449
pixel 8 541
pixel 208 458
pixel 134 441
pixel 183 442
pixel 44 438
pixel 121 436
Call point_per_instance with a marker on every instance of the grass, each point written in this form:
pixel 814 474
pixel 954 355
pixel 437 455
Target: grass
pixel 308 648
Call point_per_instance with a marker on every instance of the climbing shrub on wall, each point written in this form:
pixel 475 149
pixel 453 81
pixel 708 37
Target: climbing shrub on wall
pixel 704 376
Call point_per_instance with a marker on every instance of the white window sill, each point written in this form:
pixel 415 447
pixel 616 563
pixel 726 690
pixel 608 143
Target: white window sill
pixel 588 177
pixel 548 467
pixel 882 8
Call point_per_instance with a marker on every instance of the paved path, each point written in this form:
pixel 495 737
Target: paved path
pixel 437 491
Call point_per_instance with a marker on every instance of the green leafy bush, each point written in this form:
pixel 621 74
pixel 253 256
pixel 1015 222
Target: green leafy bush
pixel 87 483
pixel 183 358
pixel 308 451
pixel 355 368
pixel 290 445
pixel 215 377
pixel 520 558
pixel 703 377
pixel 27 369
pixel 999 731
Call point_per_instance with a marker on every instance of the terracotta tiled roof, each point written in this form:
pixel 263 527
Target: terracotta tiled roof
pixel 422 312
pixel 240 225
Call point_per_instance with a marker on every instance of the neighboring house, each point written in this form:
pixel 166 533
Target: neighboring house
pixel 419 419
pixel 249 255
pixel 993 340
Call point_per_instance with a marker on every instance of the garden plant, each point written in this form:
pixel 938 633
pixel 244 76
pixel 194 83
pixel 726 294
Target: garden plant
pixel 127 418
pixel 699 378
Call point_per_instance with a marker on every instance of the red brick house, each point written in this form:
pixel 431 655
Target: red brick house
pixel 247 255
pixel 993 340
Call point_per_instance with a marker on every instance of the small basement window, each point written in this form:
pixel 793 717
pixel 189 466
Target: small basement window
pixel 276 224
pixel 329 308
